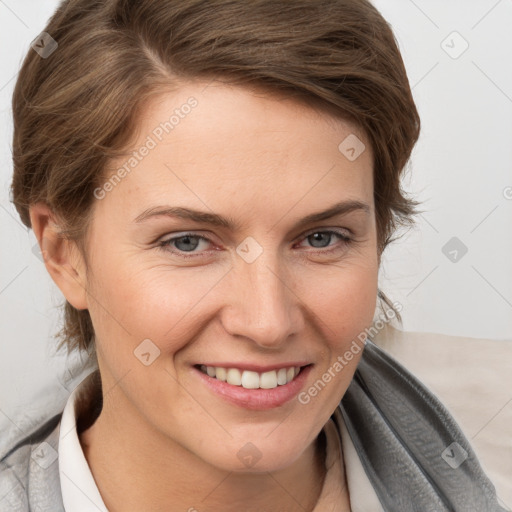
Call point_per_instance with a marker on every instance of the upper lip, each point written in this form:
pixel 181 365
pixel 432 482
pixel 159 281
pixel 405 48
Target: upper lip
pixel 256 367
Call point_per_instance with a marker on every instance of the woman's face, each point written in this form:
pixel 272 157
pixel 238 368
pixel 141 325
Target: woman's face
pixel 244 284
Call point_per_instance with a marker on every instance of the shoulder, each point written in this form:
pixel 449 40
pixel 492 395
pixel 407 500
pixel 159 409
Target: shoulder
pixel 472 377
pixel 31 464
pixel 393 416
pixel 29 469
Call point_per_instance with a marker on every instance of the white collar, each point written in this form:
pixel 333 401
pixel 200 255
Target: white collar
pixel 80 493
pixel 79 490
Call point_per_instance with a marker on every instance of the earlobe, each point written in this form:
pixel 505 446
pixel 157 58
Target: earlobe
pixel 61 256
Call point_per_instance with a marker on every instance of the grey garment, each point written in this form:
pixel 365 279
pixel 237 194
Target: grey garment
pixel 29 472
pixel 413 452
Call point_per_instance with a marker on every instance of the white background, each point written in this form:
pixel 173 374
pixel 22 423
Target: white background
pixel 460 169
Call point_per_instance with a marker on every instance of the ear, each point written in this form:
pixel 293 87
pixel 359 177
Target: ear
pixel 61 257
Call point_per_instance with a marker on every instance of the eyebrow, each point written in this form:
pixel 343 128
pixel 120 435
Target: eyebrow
pixel 341 208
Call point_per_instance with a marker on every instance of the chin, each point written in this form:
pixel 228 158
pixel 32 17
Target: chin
pixel 256 454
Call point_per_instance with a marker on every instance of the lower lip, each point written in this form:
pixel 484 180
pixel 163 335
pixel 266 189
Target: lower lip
pixel 256 399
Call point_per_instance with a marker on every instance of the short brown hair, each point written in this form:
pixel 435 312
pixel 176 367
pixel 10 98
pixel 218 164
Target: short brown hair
pixel 77 108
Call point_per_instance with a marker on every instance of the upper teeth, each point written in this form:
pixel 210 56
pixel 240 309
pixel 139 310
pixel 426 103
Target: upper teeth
pixel 252 380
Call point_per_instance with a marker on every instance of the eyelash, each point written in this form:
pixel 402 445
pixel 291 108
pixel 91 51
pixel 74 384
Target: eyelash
pixel 165 244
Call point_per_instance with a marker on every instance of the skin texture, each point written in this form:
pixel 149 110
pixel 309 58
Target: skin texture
pixel 163 437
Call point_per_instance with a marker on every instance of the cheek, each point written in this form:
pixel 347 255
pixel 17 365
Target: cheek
pixel 135 300
pixel 345 308
pixel 347 302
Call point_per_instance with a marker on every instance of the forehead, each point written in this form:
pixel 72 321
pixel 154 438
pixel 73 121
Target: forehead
pixel 225 146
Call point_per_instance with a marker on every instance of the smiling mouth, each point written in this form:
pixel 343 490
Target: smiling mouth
pixel 252 380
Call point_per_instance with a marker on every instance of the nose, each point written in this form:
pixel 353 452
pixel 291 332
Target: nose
pixel 263 306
